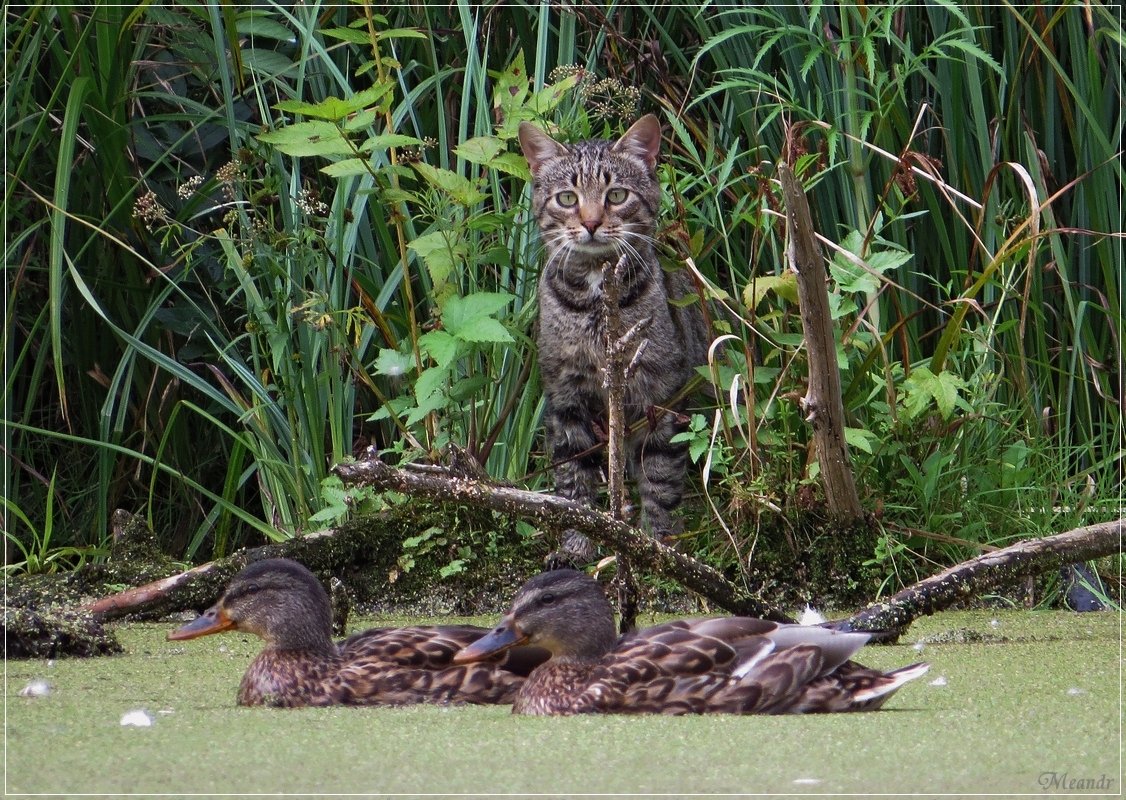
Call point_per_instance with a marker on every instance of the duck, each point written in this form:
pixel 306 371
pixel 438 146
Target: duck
pixel 732 665
pixel 282 602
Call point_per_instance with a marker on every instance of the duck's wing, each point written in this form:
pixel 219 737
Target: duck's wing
pixel 362 682
pixel 432 647
pixel 423 646
pixel 397 666
pixel 738 665
pixel 778 683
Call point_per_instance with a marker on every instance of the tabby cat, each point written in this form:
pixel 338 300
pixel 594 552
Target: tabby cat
pixel 596 201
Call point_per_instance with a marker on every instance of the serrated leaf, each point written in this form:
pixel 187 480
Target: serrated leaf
pixel 513 164
pixel 333 108
pixel 883 260
pixel 393 363
pixel 308 139
pixel 430 382
pixel 361 119
pixel 440 346
pixel 510 88
pixel 440 251
pixel 470 318
pixel 435 402
pixel 483 329
pixel 400 33
pixel 948 388
pixel 784 286
pixel 391 196
pixel 346 168
pixel 480 149
pixel 460 190
pixel 347 35
pixel 456 310
pixel 385 141
pixel 923 387
pixel 546 99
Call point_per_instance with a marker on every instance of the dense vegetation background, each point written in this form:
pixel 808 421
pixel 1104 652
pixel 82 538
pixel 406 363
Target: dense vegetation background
pixel 244 243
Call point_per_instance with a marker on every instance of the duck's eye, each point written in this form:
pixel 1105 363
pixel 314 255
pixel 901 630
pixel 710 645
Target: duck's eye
pixel 547 599
pixel 567 199
pixel 617 195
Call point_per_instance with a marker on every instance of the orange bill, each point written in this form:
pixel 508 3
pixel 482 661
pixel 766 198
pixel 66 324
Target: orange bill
pixel 213 620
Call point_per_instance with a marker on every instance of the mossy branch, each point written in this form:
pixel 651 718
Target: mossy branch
pixel 970 579
pixel 642 550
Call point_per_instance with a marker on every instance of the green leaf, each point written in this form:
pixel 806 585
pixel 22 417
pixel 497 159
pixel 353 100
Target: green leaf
pixel 430 382
pixel 923 387
pixel 308 139
pixel 440 251
pixel 393 363
pixel 256 24
pixel 513 164
pixel 440 346
pixel 385 141
pixel 333 108
pixel 546 99
pixel 460 190
pixel 470 318
pixel 510 88
pixel 856 277
pixel 347 35
pixel 347 168
pixel 400 33
pixel 784 286
pixel 461 316
pixel 859 438
pixel 480 149
pixel 483 329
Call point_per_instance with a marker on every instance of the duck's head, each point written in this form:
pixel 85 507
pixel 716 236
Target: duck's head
pixel 276 599
pixel 563 611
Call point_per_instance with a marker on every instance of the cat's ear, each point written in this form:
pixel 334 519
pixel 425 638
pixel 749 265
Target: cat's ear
pixel 642 141
pixel 538 147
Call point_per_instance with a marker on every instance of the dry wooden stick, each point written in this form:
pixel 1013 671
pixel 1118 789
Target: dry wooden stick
pixel 621 356
pixel 822 403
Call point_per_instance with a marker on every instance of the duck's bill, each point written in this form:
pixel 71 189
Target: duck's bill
pixel 213 620
pixel 501 638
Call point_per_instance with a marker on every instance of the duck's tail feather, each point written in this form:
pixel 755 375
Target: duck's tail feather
pixel 883 688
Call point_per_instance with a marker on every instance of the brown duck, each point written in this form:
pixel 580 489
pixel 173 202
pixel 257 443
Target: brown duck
pixel 734 665
pixel 283 603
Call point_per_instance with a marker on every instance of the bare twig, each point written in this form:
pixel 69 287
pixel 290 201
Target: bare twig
pixel 622 353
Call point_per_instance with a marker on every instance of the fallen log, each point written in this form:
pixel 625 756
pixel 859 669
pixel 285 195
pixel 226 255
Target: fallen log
pixel 958 584
pixel 643 551
pixel 967 580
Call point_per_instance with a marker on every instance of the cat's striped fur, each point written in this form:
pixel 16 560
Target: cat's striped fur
pixel 596 201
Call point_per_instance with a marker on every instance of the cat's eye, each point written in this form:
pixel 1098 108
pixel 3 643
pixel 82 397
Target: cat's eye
pixel 617 195
pixel 547 599
pixel 567 199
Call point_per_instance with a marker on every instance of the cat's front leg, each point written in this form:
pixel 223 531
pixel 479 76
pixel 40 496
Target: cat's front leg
pixel 576 451
pixel 658 466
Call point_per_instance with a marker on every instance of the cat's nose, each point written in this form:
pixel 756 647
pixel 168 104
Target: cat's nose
pixel 592 225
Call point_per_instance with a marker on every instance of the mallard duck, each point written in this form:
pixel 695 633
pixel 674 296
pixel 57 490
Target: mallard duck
pixel 736 665
pixel 283 603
